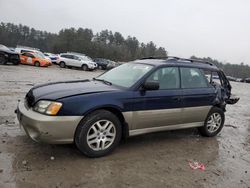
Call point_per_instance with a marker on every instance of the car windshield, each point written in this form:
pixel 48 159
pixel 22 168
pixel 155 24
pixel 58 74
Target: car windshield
pixel 126 75
pixel 39 55
pixel 2 47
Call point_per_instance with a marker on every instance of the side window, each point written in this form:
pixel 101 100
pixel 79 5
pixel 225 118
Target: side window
pixel 65 56
pixel 22 51
pixel 70 56
pixel 28 55
pixel 193 78
pixel 168 77
pixel 25 54
pixel 77 58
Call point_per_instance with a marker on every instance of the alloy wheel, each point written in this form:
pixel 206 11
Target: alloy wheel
pixel 214 122
pixel 101 135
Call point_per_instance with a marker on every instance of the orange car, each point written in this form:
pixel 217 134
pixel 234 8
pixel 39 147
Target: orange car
pixel 36 59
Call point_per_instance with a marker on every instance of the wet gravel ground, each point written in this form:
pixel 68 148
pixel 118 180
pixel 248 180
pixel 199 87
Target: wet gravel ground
pixel 152 160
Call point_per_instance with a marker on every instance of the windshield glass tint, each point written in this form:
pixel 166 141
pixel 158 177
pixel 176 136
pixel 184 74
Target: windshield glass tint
pixel 127 74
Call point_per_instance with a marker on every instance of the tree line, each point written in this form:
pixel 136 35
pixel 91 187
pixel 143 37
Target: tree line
pixel 105 44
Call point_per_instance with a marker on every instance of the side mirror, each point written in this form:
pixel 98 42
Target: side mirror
pixel 151 85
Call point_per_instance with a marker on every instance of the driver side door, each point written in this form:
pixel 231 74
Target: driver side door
pixel 162 107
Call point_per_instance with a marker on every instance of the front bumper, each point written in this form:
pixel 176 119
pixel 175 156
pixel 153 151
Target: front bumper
pixel 47 129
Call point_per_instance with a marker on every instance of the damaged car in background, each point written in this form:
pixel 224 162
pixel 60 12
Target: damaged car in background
pixel 8 56
pixel 143 96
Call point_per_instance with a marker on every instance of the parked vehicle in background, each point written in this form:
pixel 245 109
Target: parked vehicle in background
pixel 76 60
pixel 103 63
pixel 86 59
pixel 247 80
pixel 52 57
pixel 21 49
pixel 36 59
pixel 8 56
pixel 135 98
pixel 113 65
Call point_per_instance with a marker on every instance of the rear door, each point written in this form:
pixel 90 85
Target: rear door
pixel 68 59
pixel 76 61
pixel 198 95
pixel 161 107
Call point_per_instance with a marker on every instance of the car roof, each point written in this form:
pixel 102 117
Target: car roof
pixel 178 62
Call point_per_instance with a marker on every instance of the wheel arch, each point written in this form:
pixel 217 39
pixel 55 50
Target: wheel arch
pixel 115 110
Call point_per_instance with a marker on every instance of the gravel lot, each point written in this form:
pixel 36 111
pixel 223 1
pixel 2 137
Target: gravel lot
pixel 152 160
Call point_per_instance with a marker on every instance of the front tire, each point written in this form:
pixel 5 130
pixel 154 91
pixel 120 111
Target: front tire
pixel 213 123
pixel 98 134
pixel 84 67
pixel 37 64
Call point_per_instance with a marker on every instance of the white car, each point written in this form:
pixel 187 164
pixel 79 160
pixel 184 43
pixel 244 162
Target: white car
pixel 74 60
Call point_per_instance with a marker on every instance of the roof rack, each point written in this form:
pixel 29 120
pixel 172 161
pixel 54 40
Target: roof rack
pixel 179 58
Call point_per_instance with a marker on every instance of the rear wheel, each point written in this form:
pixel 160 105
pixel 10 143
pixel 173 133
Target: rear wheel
pixel 62 64
pixel 213 123
pixel 37 64
pixel 100 67
pixel 84 67
pixel 98 134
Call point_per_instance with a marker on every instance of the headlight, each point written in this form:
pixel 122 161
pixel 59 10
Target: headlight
pixel 47 107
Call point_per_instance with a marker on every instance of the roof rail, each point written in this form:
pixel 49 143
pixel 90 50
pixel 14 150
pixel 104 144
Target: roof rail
pixel 179 58
pixel 153 57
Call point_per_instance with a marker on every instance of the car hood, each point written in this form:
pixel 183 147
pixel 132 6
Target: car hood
pixel 88 62
pixel 58 90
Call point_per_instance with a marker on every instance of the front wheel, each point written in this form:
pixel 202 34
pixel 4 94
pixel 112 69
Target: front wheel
pixel 213 123
pixel 98 134
pixel 37 64
pixel 84 67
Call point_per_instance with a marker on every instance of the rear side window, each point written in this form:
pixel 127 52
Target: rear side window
pixel 168 77
pixel 28 55
pixel 193 78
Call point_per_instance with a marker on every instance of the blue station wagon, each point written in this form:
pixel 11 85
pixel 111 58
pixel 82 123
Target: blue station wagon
pixel 138 97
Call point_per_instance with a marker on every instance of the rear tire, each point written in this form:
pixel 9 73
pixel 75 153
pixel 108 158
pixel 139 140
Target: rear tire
pixel 213 123
pixel 98 133
pixel 62 64
pixel 84 67
pixel 37 64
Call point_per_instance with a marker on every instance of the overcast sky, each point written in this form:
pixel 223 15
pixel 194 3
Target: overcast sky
pixel 215 28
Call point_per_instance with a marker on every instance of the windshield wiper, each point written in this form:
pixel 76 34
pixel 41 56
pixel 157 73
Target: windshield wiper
pixel 102 80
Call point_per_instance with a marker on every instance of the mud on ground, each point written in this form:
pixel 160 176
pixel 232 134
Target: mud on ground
pixel 152 160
